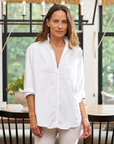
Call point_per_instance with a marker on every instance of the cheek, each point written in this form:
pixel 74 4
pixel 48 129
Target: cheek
pixel 66 27
pixel 52 27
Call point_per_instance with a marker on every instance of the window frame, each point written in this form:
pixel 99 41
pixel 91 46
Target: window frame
pixel 100 55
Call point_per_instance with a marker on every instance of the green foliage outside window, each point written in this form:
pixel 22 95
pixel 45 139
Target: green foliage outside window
pixel 108 51
pixel 16 49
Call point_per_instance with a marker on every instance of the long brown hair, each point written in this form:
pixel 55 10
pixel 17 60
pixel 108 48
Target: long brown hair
pixel 71 32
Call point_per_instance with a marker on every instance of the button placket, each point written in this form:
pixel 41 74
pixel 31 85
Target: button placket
pixel 57 95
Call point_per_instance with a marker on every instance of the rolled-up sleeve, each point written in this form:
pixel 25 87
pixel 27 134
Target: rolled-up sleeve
pixel 29 77
pixel 80 93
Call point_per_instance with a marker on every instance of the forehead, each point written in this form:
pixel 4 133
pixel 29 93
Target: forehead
pixel 59 14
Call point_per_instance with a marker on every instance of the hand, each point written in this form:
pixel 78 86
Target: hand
pixel 86 128
pixel 36 130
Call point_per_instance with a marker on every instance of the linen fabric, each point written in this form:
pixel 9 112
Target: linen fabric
pixel 57 91
pixel 70 136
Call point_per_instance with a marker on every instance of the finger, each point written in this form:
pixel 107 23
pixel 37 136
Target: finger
pixel 41 129
pixel 87 136
pixel 35 131
pixel 38 132
pixel 32 130
pixel 89 130
pixel 84 136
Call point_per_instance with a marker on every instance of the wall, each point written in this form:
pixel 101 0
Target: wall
pixel 90 63
pixel 0 57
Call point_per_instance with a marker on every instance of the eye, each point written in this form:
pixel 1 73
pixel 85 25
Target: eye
pixel 55 21
pixel 64 21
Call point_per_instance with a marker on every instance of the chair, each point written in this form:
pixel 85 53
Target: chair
pixel 107 98
pixel 100 120
pixel 16 118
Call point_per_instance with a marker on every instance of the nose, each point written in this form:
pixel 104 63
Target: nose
pixel 60 25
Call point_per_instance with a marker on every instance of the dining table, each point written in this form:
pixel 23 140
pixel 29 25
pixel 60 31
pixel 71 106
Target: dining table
pixel 91 109
pixel 99 110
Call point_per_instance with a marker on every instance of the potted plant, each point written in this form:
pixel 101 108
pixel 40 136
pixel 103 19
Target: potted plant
pixel 14 90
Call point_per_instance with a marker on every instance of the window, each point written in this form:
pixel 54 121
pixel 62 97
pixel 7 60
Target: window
pixel 21 37
pixel 106 51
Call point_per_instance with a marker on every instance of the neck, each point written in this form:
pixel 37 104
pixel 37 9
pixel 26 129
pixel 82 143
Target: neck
pixel 57 42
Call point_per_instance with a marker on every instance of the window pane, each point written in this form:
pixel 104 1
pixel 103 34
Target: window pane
pixel 36 11
pixel 37 28
pixel 13 13
pixel 36 14
pixel 19 28
pixel 16 48
pixel 14 8
pixel 74 12
pixel 108 65
pixel 108 11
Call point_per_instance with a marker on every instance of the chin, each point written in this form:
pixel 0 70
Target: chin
pixel 59 35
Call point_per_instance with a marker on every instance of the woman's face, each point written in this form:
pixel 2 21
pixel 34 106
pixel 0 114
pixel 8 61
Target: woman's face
pixel 57 24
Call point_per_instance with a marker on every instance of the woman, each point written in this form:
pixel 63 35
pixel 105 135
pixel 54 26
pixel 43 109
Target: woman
pixel 54 81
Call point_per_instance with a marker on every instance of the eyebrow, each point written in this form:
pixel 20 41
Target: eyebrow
pixel 62 20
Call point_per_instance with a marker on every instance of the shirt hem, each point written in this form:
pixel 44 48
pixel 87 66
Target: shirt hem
pixel 59 127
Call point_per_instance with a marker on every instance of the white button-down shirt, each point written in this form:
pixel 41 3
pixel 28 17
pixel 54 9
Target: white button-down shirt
pixel 58 91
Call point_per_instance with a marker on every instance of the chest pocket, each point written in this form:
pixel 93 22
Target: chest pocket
pixel 69 73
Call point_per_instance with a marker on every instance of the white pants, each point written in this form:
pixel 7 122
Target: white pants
pixel 69 136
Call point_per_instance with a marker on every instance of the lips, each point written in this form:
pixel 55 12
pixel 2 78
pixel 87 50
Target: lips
pixel 59 31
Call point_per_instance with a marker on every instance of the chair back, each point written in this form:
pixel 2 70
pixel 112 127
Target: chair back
pixel 14 118
pixel 100 121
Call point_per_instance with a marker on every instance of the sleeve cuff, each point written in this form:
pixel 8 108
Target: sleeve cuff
pixel 27 91
pixel 80 95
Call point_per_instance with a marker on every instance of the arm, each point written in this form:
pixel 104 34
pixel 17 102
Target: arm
pixel 85 122
pixel 31 106
pixel 80 96
pixel 36 130
pixel 29 93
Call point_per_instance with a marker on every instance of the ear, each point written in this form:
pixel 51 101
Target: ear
pixel 47 22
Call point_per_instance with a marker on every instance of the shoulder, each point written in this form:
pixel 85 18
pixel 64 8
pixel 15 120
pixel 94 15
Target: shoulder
pixel 36 46
pixel 33 45
pixel 77 50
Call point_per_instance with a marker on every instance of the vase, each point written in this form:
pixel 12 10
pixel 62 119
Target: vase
pixel 19 97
